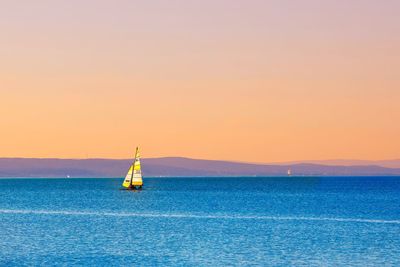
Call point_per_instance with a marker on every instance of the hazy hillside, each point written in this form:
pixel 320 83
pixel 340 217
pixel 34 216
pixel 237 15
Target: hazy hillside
pixel 395 163
pixel 172 166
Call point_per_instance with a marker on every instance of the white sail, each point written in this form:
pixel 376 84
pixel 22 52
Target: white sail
pixel 128 177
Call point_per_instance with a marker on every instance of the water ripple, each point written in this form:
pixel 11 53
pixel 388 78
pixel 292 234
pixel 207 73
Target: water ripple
pixel 196 216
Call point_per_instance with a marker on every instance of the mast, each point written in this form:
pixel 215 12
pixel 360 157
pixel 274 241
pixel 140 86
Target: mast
pixel 133 167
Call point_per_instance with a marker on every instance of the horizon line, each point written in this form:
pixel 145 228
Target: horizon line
pixel 223 160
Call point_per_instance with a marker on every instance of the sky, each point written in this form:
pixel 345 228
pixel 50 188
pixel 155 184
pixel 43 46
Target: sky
pixel 253 81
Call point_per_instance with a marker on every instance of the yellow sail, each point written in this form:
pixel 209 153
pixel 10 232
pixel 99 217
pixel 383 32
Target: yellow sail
pixel 134 175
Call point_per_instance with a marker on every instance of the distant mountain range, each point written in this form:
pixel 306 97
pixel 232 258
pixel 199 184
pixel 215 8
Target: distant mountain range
pixel 395 163
pixel 185 167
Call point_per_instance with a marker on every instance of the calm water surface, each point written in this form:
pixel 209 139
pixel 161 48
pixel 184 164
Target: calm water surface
pixel 201 222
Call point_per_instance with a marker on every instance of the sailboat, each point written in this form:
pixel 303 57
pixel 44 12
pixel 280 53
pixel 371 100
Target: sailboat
pixel 133 179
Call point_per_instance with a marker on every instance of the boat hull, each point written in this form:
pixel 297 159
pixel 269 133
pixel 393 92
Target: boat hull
pixel 134 187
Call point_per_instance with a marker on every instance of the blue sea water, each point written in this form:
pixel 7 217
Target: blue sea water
pixel 295 221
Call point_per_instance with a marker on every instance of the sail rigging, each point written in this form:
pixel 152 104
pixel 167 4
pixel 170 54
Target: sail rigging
pixel 134 176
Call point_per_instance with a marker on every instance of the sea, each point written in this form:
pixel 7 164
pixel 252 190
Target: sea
pixel 240 221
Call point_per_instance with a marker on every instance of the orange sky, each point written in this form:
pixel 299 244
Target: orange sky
pixel 255 81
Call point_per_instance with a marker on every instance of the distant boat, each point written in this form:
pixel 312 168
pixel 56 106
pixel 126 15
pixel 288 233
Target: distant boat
pixel 289 172
pixel 133 179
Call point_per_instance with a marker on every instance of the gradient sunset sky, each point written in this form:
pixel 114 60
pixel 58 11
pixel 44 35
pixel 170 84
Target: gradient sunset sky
pixel 256 81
